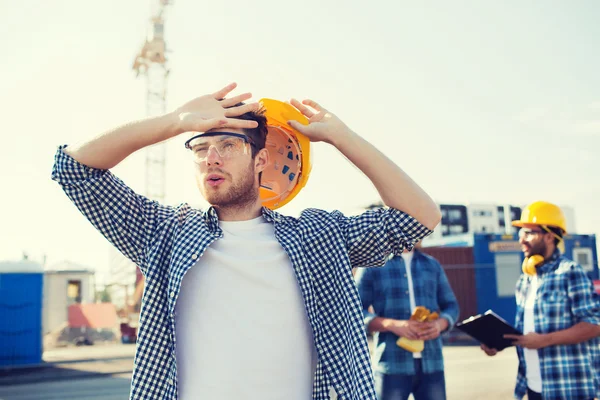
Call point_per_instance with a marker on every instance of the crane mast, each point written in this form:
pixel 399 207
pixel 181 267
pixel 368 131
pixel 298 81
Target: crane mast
pixel 151 62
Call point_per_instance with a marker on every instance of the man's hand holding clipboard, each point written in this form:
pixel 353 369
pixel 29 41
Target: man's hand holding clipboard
pixel 493 332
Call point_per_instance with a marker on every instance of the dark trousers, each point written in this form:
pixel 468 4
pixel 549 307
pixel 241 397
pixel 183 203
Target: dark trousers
pixel 531 395
pixel 422 386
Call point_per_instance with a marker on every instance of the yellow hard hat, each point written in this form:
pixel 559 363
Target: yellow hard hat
pixel 290 160
pixel 542 213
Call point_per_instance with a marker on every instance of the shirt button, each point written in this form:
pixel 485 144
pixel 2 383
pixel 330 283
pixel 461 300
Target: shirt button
pixel 172 294
pixel 170 381
pixel 406 276
pixel 194 256
pixel 407 292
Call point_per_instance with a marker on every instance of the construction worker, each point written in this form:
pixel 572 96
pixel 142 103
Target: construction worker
pixel 241 302
pixel 558 313
pixel 394 292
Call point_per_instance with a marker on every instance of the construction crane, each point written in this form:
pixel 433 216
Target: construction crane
pixel 150 62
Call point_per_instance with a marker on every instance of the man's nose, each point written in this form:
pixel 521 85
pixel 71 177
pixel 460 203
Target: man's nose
pixel 213 157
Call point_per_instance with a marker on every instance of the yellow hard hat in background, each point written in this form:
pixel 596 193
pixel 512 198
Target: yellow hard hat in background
pixel 290 160
pixel 542 213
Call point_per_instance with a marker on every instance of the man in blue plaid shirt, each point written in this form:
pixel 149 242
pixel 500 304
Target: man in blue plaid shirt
pixel 410 280
pixel 558 313
pixel 241 302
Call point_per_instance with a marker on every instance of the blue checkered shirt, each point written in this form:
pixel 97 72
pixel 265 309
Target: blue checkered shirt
pixel 166 241
pixel 386 289
pixel 564 298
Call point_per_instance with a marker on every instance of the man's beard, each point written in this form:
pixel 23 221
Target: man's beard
pixel 240 195
pixel 539 249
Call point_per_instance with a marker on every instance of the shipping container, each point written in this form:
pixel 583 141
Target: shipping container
pixel 458 266
pixel 483 268
pixel 21 289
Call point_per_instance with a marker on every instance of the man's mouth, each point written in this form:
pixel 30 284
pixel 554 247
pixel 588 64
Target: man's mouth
pixel 214 180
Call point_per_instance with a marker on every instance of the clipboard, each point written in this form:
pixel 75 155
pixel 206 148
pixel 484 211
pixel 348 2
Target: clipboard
pixel 489 328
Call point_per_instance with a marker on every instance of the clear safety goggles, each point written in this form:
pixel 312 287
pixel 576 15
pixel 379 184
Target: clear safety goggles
pixel 227 145
pixel 525 233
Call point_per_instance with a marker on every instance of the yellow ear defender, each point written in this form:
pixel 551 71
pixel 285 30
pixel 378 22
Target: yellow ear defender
pixel 531 263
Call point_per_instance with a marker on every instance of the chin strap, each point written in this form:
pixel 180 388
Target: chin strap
pixel 561 243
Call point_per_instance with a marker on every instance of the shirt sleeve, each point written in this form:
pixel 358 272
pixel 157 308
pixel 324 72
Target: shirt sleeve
pixel 365 286
pixel 126 219
pixel 375 234
pixel 585 302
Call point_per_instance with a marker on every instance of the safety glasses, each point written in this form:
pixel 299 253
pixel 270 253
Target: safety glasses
pixel 227 145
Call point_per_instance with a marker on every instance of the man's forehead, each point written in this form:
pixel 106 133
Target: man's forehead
pixel 215 137
pixel 226 130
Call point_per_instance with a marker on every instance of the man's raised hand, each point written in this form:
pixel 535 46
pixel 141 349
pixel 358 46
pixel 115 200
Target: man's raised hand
pixel 323 126
pixel 215 111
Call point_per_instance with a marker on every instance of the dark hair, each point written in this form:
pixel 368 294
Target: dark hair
pixel 556 230
pixel 258 134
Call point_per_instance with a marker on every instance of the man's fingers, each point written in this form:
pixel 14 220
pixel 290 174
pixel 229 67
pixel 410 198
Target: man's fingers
pixel 237 111
pixel 240 123
pixel 226 103
pixel 313 104
pixel 511 336
pixel 208 124
pixel 223 92
pixel 298 126
pixel 302 108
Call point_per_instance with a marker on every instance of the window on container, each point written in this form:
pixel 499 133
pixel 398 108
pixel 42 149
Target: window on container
pixel 583 257
pixel 457 229
pixel 501 216
pixel 508 270
pixel 74 292
pixel 515 212
pixel 454 215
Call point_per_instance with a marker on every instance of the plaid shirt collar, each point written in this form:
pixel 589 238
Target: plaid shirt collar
pixel 550 264
pixel 211 219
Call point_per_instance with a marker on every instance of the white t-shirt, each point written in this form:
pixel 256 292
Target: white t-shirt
pixel 407 257
pixel 532 359
pixel 241 325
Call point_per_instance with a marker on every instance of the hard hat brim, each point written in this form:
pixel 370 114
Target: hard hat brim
pixel 518 224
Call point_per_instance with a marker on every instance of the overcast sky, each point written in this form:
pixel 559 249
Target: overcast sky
pixel 488 102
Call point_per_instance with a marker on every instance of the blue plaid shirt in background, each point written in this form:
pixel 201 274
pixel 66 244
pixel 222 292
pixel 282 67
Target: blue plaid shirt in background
pixel 386 289
pixel 166 241
pixel 565 297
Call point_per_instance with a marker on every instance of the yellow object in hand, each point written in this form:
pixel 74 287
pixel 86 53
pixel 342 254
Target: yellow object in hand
pixel 414 346
pixel 420 314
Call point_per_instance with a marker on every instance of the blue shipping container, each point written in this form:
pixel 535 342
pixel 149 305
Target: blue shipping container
pixel 498 261
pixel 21 298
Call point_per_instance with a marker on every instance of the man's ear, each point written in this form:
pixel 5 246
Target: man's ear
pixel 261 160
pixel 549 239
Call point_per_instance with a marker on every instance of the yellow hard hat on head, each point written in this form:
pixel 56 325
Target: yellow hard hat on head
pixel 542 213
pixel 289 155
